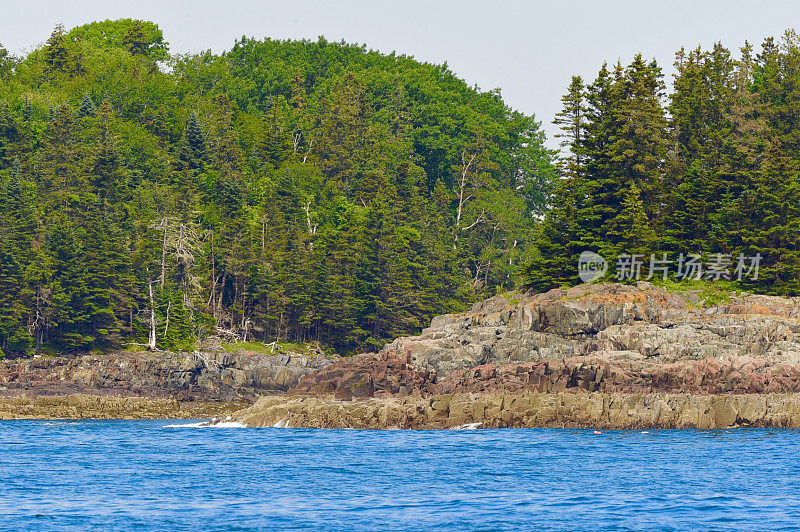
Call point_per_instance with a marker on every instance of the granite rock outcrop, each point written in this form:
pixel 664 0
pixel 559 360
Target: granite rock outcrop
pixel 594 338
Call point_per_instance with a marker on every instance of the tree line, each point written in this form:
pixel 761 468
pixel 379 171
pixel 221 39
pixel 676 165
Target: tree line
pixel 710 169
pixel 289 190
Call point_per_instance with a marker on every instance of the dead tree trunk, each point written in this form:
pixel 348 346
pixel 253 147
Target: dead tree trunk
pixel 165 225
pixel 151 343
pixel 465 166
pixel 312 230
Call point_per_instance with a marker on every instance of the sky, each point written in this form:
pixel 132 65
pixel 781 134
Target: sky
pixel 528 49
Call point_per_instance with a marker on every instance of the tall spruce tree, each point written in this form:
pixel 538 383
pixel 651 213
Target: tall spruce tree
pixel 193 150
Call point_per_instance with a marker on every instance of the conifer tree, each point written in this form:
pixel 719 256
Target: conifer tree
pixel 695 178
pixel 87 107
pixel 571 121
pixel 227 155
pixel 15 339
pixel 108 180
pixel 275 144
pixel 56 55
pixel 193 151
pixel 343 135
pixel 17 232
pixel 59 161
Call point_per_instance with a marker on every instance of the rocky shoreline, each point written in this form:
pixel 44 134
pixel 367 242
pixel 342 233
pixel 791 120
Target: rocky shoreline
pixel 83 406
pixel 603 356
pixel 529 410
pixel 208 375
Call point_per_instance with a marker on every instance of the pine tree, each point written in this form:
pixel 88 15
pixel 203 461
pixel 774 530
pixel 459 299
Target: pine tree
pixel 193 151
pixel 56 55
pixel 641 141
pixel 571 122
pixel 275 144
pixel 92 284
pixel 769 218
pixel 343 135
pixel 20 225
pixel 15 338
pixel 598 187
pixel 562 237
pixel 696 178
pixel 87 107
pixel 563 234
pixel 773 204
pixel 17 232
pixel 59 162
pixel 632 227
pixel 625 146
pixel 107 171
pixel 227 153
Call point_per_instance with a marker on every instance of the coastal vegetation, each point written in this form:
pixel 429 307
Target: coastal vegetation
pixel 289 191
pixel 710 169
pixel 327 195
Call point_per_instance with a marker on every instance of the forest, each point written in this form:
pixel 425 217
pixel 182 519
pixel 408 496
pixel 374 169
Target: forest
pixel 708 169
pixel 322 192
pixel 283 190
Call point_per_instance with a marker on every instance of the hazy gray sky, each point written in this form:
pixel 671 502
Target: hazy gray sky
pixel 528 49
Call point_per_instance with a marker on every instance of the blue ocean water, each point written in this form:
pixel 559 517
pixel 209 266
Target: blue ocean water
pixel 151 476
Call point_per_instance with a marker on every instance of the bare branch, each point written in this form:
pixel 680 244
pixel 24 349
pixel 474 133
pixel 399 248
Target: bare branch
pixel 478 220
pixel 310 145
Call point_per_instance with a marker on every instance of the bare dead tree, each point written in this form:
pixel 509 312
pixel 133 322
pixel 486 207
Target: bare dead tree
pixel 151 343
pixel 163 225
pixel 247 324
pixel 481 269
pixel 41 321
pixel 296 137
pixel 307 208
pixel 185 247
pixel 465 169
pixel 212 297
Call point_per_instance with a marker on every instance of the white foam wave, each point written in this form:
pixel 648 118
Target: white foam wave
pixel 185 425
pixel 468 426
pixel 282 424
pixel 208 425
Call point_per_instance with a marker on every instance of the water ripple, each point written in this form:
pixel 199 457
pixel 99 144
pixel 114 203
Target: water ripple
pixel 148 475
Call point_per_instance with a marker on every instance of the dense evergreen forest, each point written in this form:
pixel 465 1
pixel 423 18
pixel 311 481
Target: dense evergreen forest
pixel 711 169
pixel 315 191
pixel 288 190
